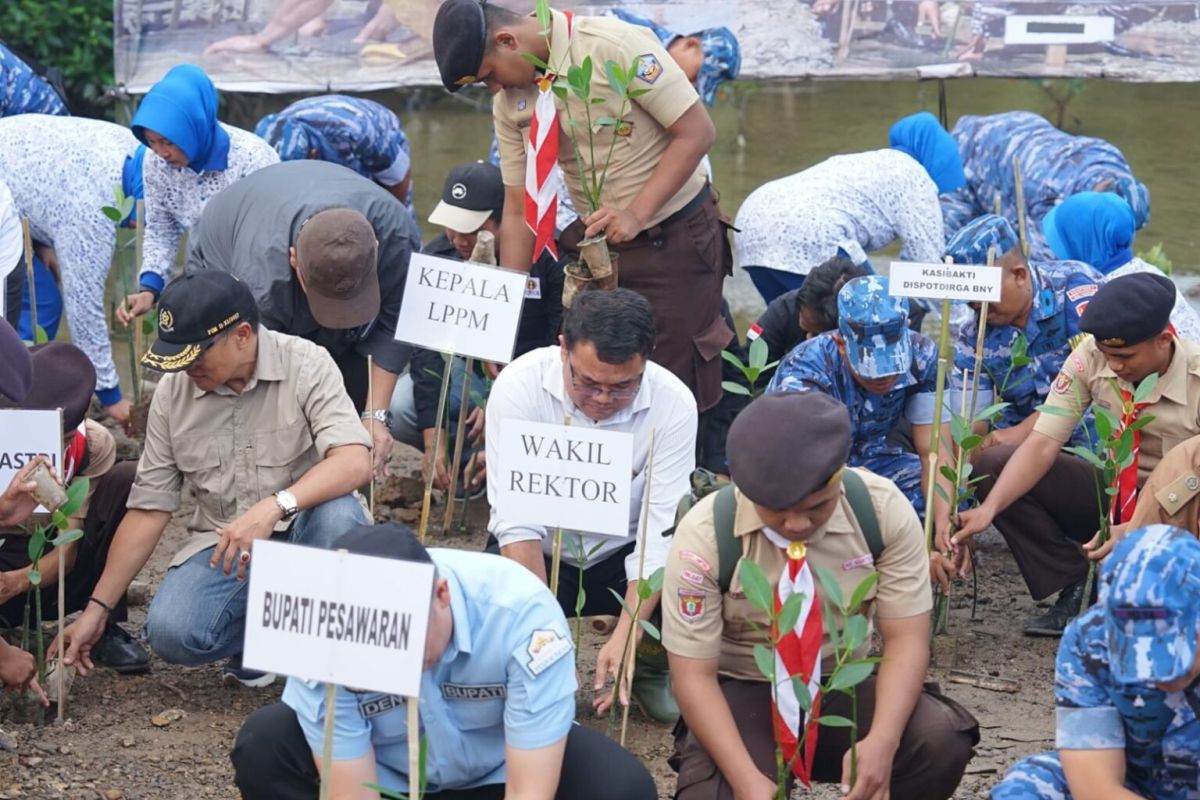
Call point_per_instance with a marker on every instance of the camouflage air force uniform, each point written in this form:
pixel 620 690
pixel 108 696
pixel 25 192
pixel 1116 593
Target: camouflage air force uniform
pixel 22 91
pixel 1054 165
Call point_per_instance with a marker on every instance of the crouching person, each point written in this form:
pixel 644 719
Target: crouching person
pixel 497 702
pixel 852 522
pixel 259 427
pixel 1127 682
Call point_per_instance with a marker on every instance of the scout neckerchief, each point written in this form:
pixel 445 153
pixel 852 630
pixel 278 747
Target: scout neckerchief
pixel 1126 481
pixel 74 453
pixel 797 655
pixel 541 195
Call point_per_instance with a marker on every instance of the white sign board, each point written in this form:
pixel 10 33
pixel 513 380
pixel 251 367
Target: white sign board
pixel 337 617
pixel 462 308
pixel 1049 30
pixel 565 476
pixel 938 281
pixel 24 435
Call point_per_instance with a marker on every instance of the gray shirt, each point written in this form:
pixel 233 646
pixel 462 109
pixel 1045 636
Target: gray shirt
pixel 246 230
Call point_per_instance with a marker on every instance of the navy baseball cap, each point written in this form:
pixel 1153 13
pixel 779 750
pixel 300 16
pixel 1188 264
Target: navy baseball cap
pixel 193 310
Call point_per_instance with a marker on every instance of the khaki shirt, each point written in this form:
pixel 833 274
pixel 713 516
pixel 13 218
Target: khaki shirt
pixel 1085 378
pixel 640 140
pixel 1171 495
pixel 235 449
pixel 699 622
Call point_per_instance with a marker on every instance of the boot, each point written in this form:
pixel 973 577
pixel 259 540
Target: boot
pixel 651 688
pixel 120 652
pixel 1065 608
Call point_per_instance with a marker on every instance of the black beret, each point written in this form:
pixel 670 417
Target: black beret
pixel 63 377
pixel 784 447
pixel 459 39
pixel 389 540
pixel 1129 309
pixel 15 371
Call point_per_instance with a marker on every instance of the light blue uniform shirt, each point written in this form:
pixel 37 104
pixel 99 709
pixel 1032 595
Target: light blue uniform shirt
pixel 508 675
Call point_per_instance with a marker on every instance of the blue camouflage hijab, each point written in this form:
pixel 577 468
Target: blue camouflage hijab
pixel 293 138
pixel 1093 227
pixel 922 137
pixel 182 107
pixel 722 53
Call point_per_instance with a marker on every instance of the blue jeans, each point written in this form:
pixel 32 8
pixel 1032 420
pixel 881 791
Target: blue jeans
pixel 773 282
pixel 404 408
pixel 198 614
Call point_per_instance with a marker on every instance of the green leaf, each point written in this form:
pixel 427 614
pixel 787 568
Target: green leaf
pixel 40 336
pixel 585 70
pixel 1056 411
pixel 616 79
pixel 859 596
pixel 850 675
pixel 948 472
pixel 990 412
pixel 803 696
pixel 754 583
pixel 830 588
pixel 971 442
pixel 112 213
pixel 542 10
pixel 1145 388
pixel 636 93
pixel 834 721
pixel 148 325
pixel 59 520
pixel 610 122
pixel 621 600
pixel 1140 422
pixel 1105 422
pixel 758 353
pixel 76 495
pixel 1086 454
pixel 735 388
pixel 66 537
pixel 643 590
pixel 656 580
pixel 789 614
pixel 36 545
pixel 940 491
pixel 855 632
pixel 765 660
pixel 34 577
pixel 650 630
pixel 560 91
pixel 537 62
pixel 733 359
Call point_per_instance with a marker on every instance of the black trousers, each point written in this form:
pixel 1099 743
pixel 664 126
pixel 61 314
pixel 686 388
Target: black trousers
pixel 1045 527
pixel 272 761
pixel 105 512
pixel 598 579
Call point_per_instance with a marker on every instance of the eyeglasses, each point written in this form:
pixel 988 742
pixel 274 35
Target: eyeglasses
pixel 620 392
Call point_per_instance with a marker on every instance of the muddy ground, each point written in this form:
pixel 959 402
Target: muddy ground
pixel 112 748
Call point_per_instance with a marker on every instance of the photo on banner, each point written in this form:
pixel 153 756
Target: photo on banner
pixel 565 476
pixel 461 308
pixel 24 435
pixel 338 617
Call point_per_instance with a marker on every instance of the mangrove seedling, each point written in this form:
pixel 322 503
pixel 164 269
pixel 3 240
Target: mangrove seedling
pixel 754 368
pixel 1157 256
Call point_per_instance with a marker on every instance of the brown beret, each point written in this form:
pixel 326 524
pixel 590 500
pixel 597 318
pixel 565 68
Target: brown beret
pixel 63 377
pixel 784 447
pixel 15 371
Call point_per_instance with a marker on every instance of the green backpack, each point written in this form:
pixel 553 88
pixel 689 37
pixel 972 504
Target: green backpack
pixel 729 548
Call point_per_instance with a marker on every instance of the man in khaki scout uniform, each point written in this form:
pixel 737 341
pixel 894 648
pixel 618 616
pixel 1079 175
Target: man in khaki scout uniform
pixel 1043 500
pixel 260 428
pixel 658 210
pixel 916 742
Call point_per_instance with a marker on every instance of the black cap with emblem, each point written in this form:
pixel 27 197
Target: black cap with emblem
pixel 193 311
pixel 459 40
pixel 1129 310
pixel 785 446
pixel 473 193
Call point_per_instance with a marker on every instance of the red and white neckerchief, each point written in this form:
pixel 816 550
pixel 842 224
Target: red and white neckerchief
pixel 798 655
pixel 541 195
pixel 74 452
pixel 1126 482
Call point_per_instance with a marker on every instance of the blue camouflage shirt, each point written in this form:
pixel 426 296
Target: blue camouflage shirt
pixel 1061 291
pixel 1159 732
pixel 815 365
pixel 22 91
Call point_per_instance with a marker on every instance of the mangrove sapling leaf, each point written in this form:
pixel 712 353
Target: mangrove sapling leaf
pixel 650 629
pixel 803 697
pixel 537 62
pixel 608 122
pixel 764 659
pixel 989 413
pixel 37 543
pixel 855 632
pixel 947 472
pixel 34 577
pixel 850 675
pixel 1105 423
pixel 621 600
pixel 1087 455
pixel 636 93
pixel 755 585
pixel 1055 411
pixel 1145 388
pixel 758 353
pixel 643 590
pixel 112 213
pixel 789 615
pixel 40 336
pixel 733 359
pixel 67 537
pixel 77 493
pixel 656 580
pixel 830 588
pixel 859 595
pixel 735 388
pixel 542 11
pixel 942 493
pixel 834 721
pixel 58 520
pixel 616 79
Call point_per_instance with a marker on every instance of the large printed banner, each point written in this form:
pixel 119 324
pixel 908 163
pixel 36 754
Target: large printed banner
pixel 362 45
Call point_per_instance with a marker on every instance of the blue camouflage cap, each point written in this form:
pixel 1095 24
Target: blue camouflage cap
pixel 665 37
pixel 1152 605
pixel 875 327
pixel 972 242
pixel 1137 195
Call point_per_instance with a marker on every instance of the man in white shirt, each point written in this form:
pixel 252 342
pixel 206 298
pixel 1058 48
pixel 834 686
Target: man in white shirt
pixel 600 376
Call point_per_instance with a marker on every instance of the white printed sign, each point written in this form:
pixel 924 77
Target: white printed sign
pixel 462 308
pixel 24 435
pixel 934 281
pixel 338 617
pixel 565 476
pixel 1048 30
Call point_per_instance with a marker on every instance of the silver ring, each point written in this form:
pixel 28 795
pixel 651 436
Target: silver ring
pixel 244 556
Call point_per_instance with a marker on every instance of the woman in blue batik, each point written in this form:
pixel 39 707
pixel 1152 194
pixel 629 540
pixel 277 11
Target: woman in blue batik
pixel 194 157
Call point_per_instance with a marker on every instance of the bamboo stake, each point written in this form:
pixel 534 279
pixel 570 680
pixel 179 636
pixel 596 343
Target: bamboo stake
pixel 556 549
pixel 139 343
pixel 935 435
pixel 1019 185
pixel 979 337
pixel 374 422
pixel 33 318
pixel 414 748
pixel 327 746
pixel 60 672
pixel 437 449
pixel 464 397
pixel 631 648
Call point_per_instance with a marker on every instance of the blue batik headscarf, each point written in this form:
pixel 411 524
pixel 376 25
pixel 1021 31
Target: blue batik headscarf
pixel 722 53
pixel 131 180
pixel 182 107
pixel 293 138
pixel 923 137
pixel 1093 227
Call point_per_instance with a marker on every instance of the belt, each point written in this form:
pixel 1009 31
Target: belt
pixel 692 206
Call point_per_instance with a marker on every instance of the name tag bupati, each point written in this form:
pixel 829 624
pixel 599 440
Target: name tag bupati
pixel 481 691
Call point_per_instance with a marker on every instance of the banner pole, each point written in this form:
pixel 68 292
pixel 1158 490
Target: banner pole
pixel 62 605
pixel 631 649
pixel 464 397
pixel 423 527
pixel 414 753
pixel 327 745
pixel 1019 185
pixel 374 422
pixel 29 279
pixel 935 434
pixel 556 549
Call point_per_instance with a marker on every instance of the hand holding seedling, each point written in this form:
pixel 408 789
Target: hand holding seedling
pixel 80 635
pixel 971 522
pixel 617 224
pixel 18 671
pixel 755 786
pixel 874 771
pixel 17 502
pixel 238 538
pixel 135 305
pixel 608 661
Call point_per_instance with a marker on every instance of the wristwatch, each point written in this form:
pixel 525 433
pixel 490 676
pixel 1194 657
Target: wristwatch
pixel 287 503
pixel 379 415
